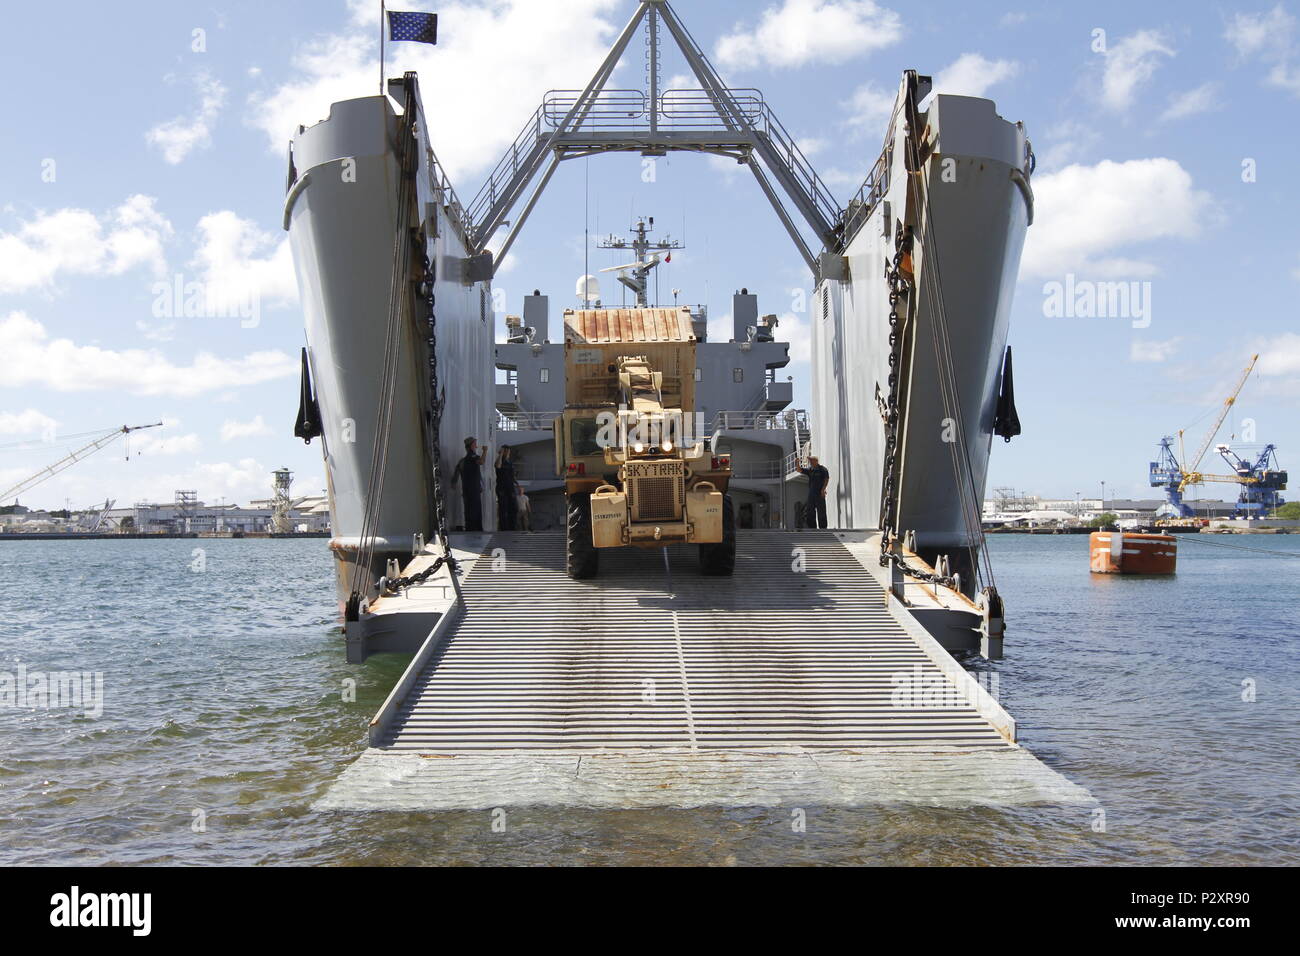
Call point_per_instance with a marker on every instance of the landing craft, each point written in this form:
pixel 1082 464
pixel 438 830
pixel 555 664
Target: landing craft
pixel 912 290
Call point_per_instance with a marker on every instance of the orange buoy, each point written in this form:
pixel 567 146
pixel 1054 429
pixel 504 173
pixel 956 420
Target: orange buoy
pixel 1115 552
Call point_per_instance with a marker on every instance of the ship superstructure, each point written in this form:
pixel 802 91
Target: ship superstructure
pixel 742 403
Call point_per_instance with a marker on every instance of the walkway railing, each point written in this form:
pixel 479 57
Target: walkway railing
pixel 794 418
pixel 869 194
pixel 625 119
pixel 757 469
pixel 525 421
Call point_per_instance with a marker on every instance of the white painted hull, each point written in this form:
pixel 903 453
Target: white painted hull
pixel 341 219
pixel 980 222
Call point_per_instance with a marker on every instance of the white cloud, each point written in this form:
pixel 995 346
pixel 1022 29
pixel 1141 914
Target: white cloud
pixel 1066 142
pixel 1013 19
pixel 727 166
pixel 1271 38
pixel 837 178
pixel 240 263
pixel 1261 33
pixel 1202 99
pixel 1130 63
pixel 1150 350
pixel 77 242
pixel 795 330
pixel 868 110
pixel 501 56
pixel 178 137
pixel 972 75
pixel 1285 77
pixel 161 332
pixel 807 31
pixel 810 145
pixel 27 422
pixel 720 328
pixel 33 358
pixel 154 445
pixel 1086 216
pixel 230 430
pixel 791 328
pixel 236 481
pixel 1280 356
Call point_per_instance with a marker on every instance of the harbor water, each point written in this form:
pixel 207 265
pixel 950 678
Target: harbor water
pixel 228 709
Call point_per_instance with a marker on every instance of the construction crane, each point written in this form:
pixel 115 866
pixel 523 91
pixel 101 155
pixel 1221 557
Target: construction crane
pixel 1175 478
pixel 1190 475
pixel 93 517
pixel 85 451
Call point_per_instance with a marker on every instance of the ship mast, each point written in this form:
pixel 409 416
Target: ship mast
pixel 636 275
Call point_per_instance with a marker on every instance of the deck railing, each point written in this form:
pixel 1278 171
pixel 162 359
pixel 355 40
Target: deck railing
pixel 792 418
pixel 525 421
pixel 869 194
pixel 627 116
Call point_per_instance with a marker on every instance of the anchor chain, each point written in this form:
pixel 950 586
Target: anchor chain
pixel 393 585
pixel 433 414
pixel 437 400
pixel 899 285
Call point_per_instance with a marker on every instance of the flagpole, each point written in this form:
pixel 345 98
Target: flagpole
pixel 382 17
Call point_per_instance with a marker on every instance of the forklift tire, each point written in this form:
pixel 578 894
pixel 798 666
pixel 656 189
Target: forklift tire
pixel 719 560
pixel 581 559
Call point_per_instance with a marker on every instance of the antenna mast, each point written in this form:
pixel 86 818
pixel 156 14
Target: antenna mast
pixel 636 275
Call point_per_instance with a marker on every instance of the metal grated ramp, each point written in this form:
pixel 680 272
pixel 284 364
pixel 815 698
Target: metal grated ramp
pixel 774 657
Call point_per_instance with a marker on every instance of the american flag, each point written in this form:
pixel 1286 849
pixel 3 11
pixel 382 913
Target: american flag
pixel 420 27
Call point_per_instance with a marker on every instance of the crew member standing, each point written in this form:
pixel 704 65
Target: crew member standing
pixel 507 503
pixel 469 474
pixel 818 480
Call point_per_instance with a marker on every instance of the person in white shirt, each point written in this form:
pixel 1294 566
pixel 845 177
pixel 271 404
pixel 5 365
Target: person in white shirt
pixel 523 513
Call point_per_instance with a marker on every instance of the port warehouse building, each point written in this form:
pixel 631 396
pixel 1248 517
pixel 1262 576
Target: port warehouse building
pixel 310 513
pixel 1140 508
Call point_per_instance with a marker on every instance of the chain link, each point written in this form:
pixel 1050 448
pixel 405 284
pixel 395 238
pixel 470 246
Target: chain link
pixel 393 585
pixel 437 400
pixel 899 285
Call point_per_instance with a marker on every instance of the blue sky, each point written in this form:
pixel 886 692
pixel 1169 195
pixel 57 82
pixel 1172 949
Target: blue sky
pixel 153 148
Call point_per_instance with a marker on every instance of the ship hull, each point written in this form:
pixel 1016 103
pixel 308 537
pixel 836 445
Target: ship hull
pixel 976 218
pixel 342 214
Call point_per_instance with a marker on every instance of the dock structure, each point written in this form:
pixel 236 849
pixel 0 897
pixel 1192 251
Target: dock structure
pixel 798 679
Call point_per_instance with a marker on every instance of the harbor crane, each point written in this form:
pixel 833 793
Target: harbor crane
pixel 85 451
pixel 1259 480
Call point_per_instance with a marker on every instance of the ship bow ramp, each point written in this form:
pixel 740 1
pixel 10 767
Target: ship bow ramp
pixel 795 682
